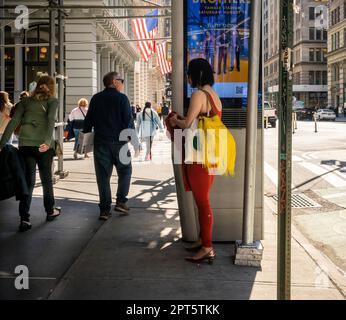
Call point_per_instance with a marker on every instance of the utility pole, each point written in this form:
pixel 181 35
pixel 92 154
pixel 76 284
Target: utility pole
pixel 285 150
pixel 2 48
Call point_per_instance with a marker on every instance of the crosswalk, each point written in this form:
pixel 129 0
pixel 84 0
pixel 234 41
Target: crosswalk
pixel 313 168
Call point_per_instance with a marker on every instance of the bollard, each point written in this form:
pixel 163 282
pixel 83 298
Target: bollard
pixel 266 122
pixel 315 118
pixel 296 120
pixel 293 124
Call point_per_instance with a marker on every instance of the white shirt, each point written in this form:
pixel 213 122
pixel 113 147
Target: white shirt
pixel 76 114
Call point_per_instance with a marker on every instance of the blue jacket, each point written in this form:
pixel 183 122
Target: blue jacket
pixel 109 114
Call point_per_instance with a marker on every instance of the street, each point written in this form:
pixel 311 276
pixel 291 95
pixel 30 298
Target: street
pixel 319 173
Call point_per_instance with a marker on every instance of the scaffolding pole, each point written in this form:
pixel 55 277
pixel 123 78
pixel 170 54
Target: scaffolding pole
pixel 285 150
pixel 2 47
pixel 61 88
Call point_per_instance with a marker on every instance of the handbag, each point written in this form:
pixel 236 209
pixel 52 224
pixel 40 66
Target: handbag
pixel 85 142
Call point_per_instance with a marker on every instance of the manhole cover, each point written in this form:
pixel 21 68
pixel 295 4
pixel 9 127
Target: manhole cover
pixel 301 201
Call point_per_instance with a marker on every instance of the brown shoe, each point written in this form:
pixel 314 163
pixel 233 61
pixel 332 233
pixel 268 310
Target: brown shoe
pixel 122 208
pixel 104 216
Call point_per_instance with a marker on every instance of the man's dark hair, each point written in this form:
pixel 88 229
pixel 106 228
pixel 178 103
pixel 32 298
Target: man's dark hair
pixel 109 77
pixel 201 73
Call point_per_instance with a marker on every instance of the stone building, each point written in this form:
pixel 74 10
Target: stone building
pixel 94 46
pixel 309 53
pixel 337 55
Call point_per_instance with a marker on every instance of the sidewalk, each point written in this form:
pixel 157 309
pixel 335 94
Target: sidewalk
pixel 136 257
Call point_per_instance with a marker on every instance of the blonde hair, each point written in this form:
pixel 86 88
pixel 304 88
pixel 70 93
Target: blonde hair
pixel 45 89
pixel 4 101
pixel 83 100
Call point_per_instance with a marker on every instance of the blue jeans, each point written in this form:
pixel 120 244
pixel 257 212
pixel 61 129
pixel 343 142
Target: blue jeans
pixel 107 156
pixel 76 134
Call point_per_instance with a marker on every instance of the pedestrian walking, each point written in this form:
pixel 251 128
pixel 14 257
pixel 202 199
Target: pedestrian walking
pixel 23 95
pixel 147 125
pixel 205 100
pixel 37 115
pixel 109 115
pixel 5 111
pixel 76 118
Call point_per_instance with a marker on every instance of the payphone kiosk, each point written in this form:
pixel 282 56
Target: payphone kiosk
pixel 218 31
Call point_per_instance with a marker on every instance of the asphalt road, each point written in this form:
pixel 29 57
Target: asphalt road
pixel 319 173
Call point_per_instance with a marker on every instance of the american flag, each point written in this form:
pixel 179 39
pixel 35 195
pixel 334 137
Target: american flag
pixel 146 29
pixel 165 66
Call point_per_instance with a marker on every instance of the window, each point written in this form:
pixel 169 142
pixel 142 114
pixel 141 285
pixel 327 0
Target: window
pixel 324 52
pixel 318 78
pixel 312 13
pixel 318 55
pixel 311 55
pixel 318 34
pixel 311 33
pixel 324 78
pixel 311 77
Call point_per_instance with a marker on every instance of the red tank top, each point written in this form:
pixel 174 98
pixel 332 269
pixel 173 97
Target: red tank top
pixel 214 110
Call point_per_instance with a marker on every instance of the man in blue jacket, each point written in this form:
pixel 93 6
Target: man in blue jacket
pixel 110 115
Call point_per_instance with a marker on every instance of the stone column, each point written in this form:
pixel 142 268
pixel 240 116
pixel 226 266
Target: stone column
pixel 18 67
pixel 105 61
pixel 341 81
pixel 81 61
pixel 98 67
pixel 330 66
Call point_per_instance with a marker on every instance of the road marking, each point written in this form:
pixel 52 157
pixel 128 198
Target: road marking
pixel 306 156
pixel 331 178
pixel 297 159
pixel 272 174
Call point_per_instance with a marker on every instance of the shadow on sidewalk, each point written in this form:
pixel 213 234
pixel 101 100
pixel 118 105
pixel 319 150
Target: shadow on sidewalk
pixel 48 250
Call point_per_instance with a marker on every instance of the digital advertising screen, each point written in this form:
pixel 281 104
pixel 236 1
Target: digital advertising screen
pixel 219 32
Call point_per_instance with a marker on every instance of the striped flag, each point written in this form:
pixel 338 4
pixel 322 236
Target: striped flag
pixel 146 29
pixel 165 66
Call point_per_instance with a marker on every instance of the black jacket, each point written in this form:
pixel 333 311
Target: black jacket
pixel 109 114
pixel 12 174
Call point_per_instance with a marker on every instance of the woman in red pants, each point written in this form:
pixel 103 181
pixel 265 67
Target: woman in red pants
pixel 203 101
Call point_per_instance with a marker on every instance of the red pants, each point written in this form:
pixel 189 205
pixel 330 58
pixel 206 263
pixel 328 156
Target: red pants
pixel 201 182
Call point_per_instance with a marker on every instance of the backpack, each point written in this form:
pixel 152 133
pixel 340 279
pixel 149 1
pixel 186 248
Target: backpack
pixel 217 144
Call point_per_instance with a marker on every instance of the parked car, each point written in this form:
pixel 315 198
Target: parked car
pixel 326 114
pixel 270 114
pixel 305 114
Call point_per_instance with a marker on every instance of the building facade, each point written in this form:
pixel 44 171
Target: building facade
pixel 309 53
pixel 94 46
pixel 337 55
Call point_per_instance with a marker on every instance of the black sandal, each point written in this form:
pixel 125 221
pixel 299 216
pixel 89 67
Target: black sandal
pixel 54 215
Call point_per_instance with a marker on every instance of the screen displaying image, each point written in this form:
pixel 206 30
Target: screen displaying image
pixel 218 31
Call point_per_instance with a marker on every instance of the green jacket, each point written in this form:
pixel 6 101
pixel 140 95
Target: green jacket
pixel 37 121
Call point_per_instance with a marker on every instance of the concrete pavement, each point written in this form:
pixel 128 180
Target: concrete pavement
pixel 140 256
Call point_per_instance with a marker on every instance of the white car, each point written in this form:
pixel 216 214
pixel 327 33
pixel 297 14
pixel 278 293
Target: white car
pixel 326 114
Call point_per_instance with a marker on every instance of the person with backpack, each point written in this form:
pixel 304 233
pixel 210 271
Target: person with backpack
pixel 76 118
pixel 148 122
pixel 36 115
pixel 203 101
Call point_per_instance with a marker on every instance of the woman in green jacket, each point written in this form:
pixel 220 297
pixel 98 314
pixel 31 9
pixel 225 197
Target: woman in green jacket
pixel 36 115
